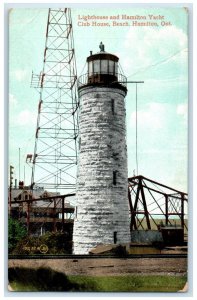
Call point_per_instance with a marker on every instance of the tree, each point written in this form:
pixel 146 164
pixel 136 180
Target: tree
pixel 16 232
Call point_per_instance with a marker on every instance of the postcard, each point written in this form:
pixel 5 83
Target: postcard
pixel 98 149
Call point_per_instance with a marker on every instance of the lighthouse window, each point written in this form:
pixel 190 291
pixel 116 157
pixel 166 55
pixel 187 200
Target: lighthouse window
pixel 79 143
pixel 111 67
pixel 113 106
pixel 104 67
pixel 114 177
pixel 116 68
pixel 96 67
pixel 90 68
pixel 76 212
pixel 115 237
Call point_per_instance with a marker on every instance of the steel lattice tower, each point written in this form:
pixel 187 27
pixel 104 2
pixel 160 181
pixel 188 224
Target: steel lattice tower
pixel 55 153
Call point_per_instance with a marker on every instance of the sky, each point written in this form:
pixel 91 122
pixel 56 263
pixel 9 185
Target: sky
pixel 157 55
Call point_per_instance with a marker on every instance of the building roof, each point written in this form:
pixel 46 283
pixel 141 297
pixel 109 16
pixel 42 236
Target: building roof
pixel 37 194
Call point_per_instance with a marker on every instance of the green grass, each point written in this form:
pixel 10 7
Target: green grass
pixel 130 283
pixel 43 279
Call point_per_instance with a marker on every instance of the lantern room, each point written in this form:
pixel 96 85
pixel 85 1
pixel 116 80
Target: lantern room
pixel 102 67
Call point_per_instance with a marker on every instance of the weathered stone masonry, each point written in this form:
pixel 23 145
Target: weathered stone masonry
pixel 102 215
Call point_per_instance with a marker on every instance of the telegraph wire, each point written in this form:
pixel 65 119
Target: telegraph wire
pixel 158 63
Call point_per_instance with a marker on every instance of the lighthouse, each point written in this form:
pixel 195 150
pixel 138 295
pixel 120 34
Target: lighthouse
pixel 102 214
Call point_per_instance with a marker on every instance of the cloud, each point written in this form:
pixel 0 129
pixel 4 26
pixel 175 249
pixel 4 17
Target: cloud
pixel 26 118
pixel 182 110
pixel 155 47
pixel 154 116
pixel 23 18
pixel 20 75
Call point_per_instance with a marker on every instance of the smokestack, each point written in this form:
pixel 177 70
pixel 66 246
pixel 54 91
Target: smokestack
pixel 21 185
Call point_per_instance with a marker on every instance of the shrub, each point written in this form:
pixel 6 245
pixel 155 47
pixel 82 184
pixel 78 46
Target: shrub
pixel 16 233
pixel 56 243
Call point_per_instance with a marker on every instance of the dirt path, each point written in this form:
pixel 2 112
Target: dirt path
pixel 108 266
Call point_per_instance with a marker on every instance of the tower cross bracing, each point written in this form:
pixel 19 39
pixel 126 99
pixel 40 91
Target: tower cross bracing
pixel 55 152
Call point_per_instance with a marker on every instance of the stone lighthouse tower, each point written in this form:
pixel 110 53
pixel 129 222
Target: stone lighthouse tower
pixel 102 214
